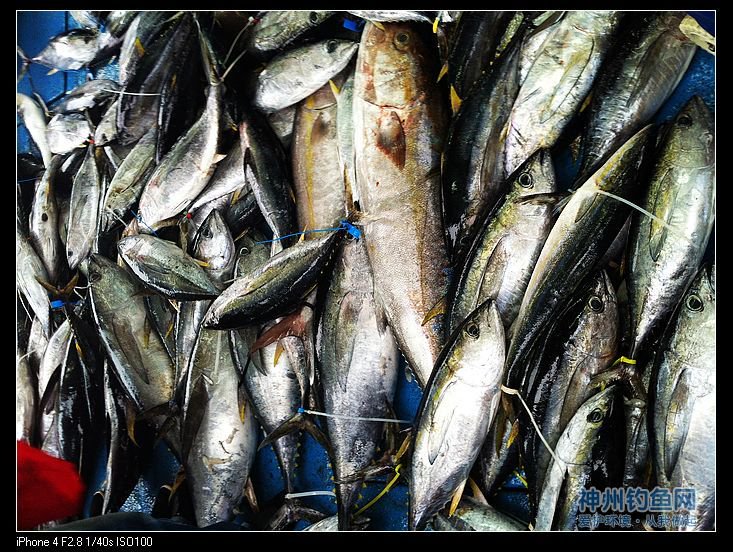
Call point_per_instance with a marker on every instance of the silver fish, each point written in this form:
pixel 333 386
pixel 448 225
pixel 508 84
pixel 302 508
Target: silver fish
pixel 472 515
pixel 458 406
pixel 227 179
pixel 86 96
pixel 35 121
pixel 106 130
pixel 276 29
pixel 393 15
pixel 296 74
pixel 25 398
pixel 76 49
pixel 84 206
pixel 66 132
pixel 43 224
pixel 48 373
pixel 28 269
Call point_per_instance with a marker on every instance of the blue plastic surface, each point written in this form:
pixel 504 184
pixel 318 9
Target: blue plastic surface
pixel 314 473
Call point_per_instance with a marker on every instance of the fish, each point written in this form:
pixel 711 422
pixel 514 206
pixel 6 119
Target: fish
pixel 43 223
pixel 29 269
pixel 267 171
pixel 185 170
pixel 345 137
pixel 390 16
pixel 274 286
pixel 399 122
pixel 77 49
pixel 129 178
pixel 472 515
pixel 500 261
pixel 282 122
pixel 456 411
pixel 331 524
pixel 88 19
pixel 142 31
pixel 560 77
pixel 35 121
pixel 135 350
pixel 276 29
pixel 641 72
pixel 663 259
pixel 106 130
pixel 67 132
pixel 296 74
pixel 118 21
pixel 84 206
pixel 88 95
pixel 49 371
pixel 682 425
pixel 25 399
pixel 543 26
pixel 574 449
pixel 228 178
pixel 317 176
pixel 580 236
pixel 37 343
pixel 499 454
pixel 357 370
pixel 472 174
pixel 164 267
pixel 580 344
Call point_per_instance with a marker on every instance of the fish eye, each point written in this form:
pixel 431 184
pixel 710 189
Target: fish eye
pixel 313 17
pixel 94 277
pixel 244 251
pixel 44 217
pixel 684 121
pixel 525 180
pixel 472 330
pixel 402 38
pixel 595 303
pixel 694 303
pixel 69 253
pixel 331 46
pixel 595 416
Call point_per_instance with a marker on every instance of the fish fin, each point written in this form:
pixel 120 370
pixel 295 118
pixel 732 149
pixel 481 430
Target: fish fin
pixel 48 400
pixel 299 422
pixel 549 198
pixel 278 353
pixel 443 72
pixel 583 107
pixel 513 434
pixel 624 374
pixel 147 328
pixel 201 263
pixel 391 138
pixel 575 147
pixel 334 89
pixel 476 492
pixel 697 35
pixel 219 157
pixel 456 499
pixel 436 310
pixel 455 100
pixel 235 196
pixel 661 204
pixel 293 324
pixel 441 421
pixel 551 20
pixel 130 419
pixel 52 72
pixel 249 494
pixel 677 423
pixel 378 25
pixel 166 426
pixel 53 290
pixel 290 512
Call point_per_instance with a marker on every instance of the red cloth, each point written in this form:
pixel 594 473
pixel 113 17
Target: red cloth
pixel 48 488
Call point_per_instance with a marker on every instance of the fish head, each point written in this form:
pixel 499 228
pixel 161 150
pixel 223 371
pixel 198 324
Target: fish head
pixel 479 346
pixel 392 60
pixel 692 129
pixel 535 176
pixel 133 247
pixel 214 244
pixel 600 312
pixel 699 301
pixel 250 254
pixel 622 169
pixel 101 271
pixel 596 410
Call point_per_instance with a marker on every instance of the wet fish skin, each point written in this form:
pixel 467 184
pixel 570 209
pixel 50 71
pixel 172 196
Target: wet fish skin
pixel 472 515
pixel 579 238
pixel 390 16
pixel 581 343
pixel 345 135
pixel 86 96
pixel 106 130
pixel 140 36
pixel 43 223
pixel 282 124
pixel 165 268
pixel 67 132
pixel 317 176
pixel 35 121
pixel 117 21
pixel 641 72
pixel 29 267
pixel 276 29
pixel 497 459
pixel 135 349
pixel 682 193
pixel 25 399
pixel 186 168
pixel 267 171
pixel 228 177
pixel 129 179
pixel 682 424
pixel 51 361
pixel 399 121
pixel 458 406
pixel 557 82
pixel 76 49
pixel 500 261
pixel 83 210
pixel 574 448
pixel 357 369
pixel 274 286
pixel 473 175
pixel 296 74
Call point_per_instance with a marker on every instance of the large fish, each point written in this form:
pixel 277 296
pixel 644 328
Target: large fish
pixel 683 411
pixel 454 417
pixel 26 399
pixel 43 223
pixel 399 122
pixel 500 261
pixel 663 257
pixel 357 369
pixel 472 515
pixel 35 122
pixel 29 268
pixel 581 235
pixel 84 210
pixel 67 132
pixel 641 72
pixel 76 49
pixel 276 29
pixel 557 82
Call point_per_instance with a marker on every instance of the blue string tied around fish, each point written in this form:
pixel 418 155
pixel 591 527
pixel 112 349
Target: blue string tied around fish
pixel 352 230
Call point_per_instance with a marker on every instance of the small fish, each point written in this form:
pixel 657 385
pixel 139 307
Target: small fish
pixel 77 49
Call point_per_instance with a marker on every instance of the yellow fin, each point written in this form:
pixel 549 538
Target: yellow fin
pixel 455 100
pixel 278 353
pixel 403 447
pixel 378 25
pixel 456 499
pixel 513 433
pixel 139 47
pixel 437 310
pixel 435 25
pixel 202 263
pixel 131 426
pixel 235 196
pixel 477 494
pixel 52 72
pixel 443 72
pixel 334 89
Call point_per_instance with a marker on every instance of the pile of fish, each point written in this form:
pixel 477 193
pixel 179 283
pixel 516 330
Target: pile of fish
pixel 262 213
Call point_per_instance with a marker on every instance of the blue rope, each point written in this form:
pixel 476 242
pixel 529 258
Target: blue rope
pixel 345 225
